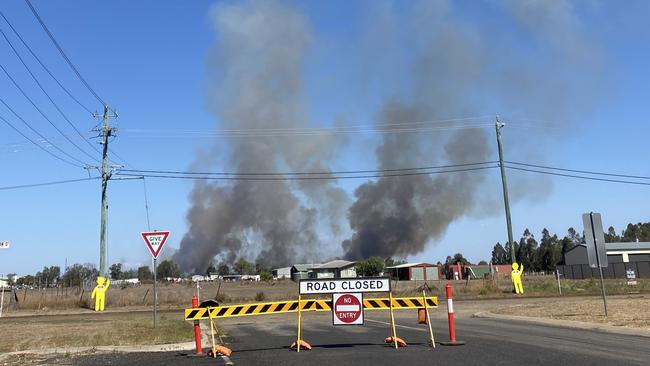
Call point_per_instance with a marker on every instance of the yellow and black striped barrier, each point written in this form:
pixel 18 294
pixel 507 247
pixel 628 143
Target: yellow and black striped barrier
pixel 291 306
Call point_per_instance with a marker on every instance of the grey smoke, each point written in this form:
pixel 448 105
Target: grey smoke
pixel 257 84
pixel 430 62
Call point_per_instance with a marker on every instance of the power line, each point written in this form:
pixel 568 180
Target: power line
pixel 39 134
pixel 43 65
pixel 579 176
pixel 38 145
pixel 67 60
pixel 341 172
pixel 56 106
pixel 46 183
pixel 580 171
pixel 291 178
pixel 41 112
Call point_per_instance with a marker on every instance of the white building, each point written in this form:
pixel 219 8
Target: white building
pixel 282 273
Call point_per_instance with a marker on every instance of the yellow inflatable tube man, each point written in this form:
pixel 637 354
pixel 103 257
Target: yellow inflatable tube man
pixel 99 293
pixel 516 277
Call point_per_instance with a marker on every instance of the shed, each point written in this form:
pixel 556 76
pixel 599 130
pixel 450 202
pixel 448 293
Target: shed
pixel 414 272
pixel 302 271
pixel 335 269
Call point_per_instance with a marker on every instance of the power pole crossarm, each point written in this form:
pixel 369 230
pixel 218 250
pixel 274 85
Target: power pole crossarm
pixel 504 182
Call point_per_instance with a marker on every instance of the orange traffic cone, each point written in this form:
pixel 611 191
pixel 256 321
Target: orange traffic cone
pixel 303 345
pixel 400 341
pixel 422 316
pixel 219 350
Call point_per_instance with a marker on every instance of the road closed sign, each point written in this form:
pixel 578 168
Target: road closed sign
pixel 347 309
pixel 344 285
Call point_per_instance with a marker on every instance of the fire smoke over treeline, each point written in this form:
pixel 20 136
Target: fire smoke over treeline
pixel 454 67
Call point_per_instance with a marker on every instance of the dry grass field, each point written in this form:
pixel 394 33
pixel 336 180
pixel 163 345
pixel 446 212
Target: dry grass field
pixel 176 296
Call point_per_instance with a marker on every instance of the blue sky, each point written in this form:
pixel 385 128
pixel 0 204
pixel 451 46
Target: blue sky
pixel 150 60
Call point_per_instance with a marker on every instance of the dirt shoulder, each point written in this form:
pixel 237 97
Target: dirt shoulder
pixel 623 311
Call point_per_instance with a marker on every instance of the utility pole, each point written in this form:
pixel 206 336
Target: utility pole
pixel 106 132
pixel 499 125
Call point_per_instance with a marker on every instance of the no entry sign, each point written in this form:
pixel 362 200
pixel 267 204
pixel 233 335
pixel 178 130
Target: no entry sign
pixel 347 309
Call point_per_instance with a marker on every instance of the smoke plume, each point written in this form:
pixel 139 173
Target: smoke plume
pixel 429 61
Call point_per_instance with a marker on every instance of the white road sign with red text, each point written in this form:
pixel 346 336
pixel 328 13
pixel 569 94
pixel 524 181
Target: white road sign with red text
pixel 347 309
pixel 155 241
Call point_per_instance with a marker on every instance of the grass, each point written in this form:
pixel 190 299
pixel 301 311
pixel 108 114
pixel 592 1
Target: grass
pixel 92 330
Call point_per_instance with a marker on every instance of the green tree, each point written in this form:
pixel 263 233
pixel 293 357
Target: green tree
pixel 611 237
pixel 458 257
pixel 144 274
pixel 223 269
pixel 210 269
pixel 548 254
pixel 526 252
pixel 482 263
pixel 499 254
pixel 167 269
pixel 11 279
pixel 266 275
pixel 77 274
pixel 370 267
pixel 243 267
pixel 115 271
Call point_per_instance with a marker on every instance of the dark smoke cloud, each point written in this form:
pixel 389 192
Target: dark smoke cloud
pixel 463 68
pixel 431 62
pixel 257 84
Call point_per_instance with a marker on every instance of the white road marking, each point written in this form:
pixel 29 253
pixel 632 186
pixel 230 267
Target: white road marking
pixel 347 308
pixel 226 359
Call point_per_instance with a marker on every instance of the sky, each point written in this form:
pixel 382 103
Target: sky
pixel 156 63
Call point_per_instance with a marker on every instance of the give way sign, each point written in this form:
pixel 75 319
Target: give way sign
pixel 347 309
pixel 155 241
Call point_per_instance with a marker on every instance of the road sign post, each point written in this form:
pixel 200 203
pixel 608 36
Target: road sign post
pixel 596 251
pixel 155 241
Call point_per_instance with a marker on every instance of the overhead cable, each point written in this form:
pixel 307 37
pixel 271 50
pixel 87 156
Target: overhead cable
pixel 65 57
pixel 56 106
pixel 47 183
pixel 38 145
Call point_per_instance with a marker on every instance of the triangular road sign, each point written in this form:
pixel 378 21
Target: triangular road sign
pixel 155 241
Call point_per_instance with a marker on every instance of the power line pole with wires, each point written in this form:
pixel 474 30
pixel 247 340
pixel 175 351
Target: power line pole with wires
pixel 499 125
pixel 106 132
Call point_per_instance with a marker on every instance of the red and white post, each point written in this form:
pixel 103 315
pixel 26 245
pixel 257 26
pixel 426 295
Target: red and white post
pixel 197 329
pixel 450 319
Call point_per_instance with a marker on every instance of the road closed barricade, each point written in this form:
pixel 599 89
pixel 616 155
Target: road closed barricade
pixel 347 306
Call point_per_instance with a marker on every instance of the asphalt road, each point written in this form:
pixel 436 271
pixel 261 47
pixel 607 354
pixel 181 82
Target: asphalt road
pixel 264 341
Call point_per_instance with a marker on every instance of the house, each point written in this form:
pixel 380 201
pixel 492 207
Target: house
pixel 625 260
pixel 281 273
pixel 302 271
pixel 414 272
pixel 337 268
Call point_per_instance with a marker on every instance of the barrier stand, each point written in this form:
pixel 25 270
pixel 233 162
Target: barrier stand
pixel 393 338
pixel 450 319
pixel 217 349
pixel 299 324
pixel 300 343
pixel 426 310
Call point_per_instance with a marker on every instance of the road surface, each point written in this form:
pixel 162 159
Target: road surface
pixel 263 340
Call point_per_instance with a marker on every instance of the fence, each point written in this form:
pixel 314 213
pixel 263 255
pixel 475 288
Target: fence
pixel 614 270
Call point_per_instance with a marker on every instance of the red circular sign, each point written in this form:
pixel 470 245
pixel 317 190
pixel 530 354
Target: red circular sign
pixel 347 308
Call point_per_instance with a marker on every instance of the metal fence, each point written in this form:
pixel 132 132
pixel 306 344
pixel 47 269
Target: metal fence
pixel 627 270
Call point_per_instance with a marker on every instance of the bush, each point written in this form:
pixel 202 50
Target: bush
pixel 260 296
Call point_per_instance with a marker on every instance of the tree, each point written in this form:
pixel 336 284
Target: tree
pixel 210 269
pixel 116 271
pixel 458 257
pixel 611 237
pixel 389 262
pixel 527 248
pixel 167 269
pixel 548 254
pixel 223 270
pixel 77 274
pixel 482 263
pixel 243 267
pixel 499 254
pixel 370 267
pixel 144 274
pixel 11 277
pixel 130 273
pixel 266 275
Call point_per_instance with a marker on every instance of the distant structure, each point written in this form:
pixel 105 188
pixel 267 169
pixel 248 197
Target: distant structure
pixel 302 271
pixel 414 272
pixel 335 269
pixel 281 273
pixel 625 260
